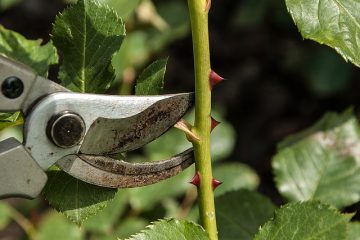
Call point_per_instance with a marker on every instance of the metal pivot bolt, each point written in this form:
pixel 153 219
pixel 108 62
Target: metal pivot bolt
pixel 12 87
pixel 66 129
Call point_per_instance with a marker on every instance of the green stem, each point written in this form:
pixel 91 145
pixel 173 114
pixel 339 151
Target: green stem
pixel 202 127
pixel 23 222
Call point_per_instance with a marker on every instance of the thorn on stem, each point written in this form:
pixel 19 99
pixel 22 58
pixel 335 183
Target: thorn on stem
pixel 208 5
pixel 196 180
pixel 215 183
pixel 215 79
pixel 214 123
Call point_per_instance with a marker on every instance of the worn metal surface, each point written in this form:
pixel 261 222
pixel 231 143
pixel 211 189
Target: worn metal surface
pixel 110 136
pixel 107 172
pixel 92 107
pixel 20 175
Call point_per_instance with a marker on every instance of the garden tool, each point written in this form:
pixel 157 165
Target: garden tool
pixel 80 133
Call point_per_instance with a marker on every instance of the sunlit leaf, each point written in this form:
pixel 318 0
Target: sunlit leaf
pixel 10 120
pixel 151 81
pixel 305 221
pixel 88 34
pixel 240 214
pixel 29 52
pixel 324 165
pixel 335 23
pixel 124 8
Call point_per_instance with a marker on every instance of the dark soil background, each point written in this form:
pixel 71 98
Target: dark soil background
pixel 277 83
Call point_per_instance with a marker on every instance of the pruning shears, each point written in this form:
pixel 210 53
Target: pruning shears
pixel 81 132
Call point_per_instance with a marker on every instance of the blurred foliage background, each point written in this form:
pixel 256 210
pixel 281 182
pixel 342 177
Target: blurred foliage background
pixel 277 84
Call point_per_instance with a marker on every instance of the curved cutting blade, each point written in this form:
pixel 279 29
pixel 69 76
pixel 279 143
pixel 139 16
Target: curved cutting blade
pixel 108 172
pixel 109 136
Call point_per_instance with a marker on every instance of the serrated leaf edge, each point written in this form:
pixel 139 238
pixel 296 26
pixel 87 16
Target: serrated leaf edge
pixel 165 220
pixel 328 207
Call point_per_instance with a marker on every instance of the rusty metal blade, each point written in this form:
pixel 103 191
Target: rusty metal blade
pixel 107 172
pixel 109 136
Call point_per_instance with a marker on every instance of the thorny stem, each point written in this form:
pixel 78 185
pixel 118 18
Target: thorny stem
pixel 199 24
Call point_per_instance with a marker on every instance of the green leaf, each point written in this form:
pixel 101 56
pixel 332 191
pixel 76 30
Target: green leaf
pixel 354 231
pixel 124 8
pixel 325 165
pixel 104 221
pixel 235 176
pixel 240 214
pixel 29 52
pixel 172 229
pixel 10 120
pixel 335 23
pixel 151 81
pixel 76 199
pixel 5 215
pixel 305 221
pixel 88 34
pixel 56 227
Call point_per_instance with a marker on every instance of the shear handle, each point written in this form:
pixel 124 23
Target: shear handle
pixel 20 175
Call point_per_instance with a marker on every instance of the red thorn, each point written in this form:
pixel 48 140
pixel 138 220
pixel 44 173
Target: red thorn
pixel 196 180
pixel 215 79
pixel 215 183
pixel 214 123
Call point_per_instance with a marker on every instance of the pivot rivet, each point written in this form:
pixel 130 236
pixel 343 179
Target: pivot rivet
pixel 12 87
pixel 66 129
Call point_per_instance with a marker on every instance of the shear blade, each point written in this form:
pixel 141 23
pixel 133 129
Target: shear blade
pixel 108 172
pixel 109 136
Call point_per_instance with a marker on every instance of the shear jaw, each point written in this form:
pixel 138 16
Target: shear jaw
pixel 76 128
pixel 111 173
